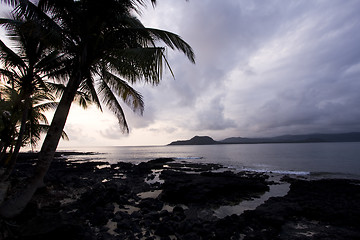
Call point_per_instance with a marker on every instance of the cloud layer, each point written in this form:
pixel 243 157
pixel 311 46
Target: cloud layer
pixel 263 68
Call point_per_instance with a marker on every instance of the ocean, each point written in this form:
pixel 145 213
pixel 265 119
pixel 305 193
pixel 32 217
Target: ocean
pixel 336 160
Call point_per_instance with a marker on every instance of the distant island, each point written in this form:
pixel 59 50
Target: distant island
pixel 306 138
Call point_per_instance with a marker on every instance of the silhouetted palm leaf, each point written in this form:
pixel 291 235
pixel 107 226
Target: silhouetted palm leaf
pixel 121 88
pixel 112 103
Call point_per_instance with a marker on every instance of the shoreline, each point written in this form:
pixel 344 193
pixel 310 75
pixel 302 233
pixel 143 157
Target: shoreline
pixel 167 199
pixel 295 172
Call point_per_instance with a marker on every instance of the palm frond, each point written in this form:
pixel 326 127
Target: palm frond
pixel 82 99
pixel 10 23
pixel 129 95
pixel 7 76
pixel 10 94
pixel 39 84
pixel 112 103
pixel 41 118
pixel 140 64
pixel 41 98
pixel 88 87
pixel 64 135
pixel 56 88
pixel 145 36
pixel 46 106
pixel 44 128
pixel 25 8
pixel 60 74
pixel 174 41
pixel 47 28
pixel 49 62
pixel 10 2
pixel 142 2
pixel 9 58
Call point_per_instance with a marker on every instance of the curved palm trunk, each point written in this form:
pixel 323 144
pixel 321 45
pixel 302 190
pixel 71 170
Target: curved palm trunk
pixel 14 205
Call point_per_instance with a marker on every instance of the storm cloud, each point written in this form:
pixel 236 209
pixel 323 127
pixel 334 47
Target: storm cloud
pixel 263 67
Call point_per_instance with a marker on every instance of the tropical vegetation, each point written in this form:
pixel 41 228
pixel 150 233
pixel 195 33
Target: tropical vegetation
pixel 104 50
pixel 25 93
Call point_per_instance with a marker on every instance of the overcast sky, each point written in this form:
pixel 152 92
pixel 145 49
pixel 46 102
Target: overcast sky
pixel 263 68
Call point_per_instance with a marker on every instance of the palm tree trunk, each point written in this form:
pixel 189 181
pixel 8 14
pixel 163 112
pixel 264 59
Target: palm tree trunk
pixel 14 205
pixel 3 155
pixel 2 144
pixel 19 141
pixel 2 159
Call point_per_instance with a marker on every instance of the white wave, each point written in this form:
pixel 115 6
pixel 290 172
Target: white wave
pixel 289 172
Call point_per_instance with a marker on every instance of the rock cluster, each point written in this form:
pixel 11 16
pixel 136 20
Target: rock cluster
pixel 94 200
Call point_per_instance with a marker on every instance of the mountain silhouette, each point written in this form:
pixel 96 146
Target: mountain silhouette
pixel 305 138
pixel 197 140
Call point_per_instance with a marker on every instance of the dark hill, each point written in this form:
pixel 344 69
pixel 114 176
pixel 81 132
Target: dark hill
pixel 197 140
pixel 306 138
pixel 340 137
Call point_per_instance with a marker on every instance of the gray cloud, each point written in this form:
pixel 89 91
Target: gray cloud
pixel 279 66
pixel 263 68
pixel 112 132
pixel 168 130
pixel 76 133
pixel 211 117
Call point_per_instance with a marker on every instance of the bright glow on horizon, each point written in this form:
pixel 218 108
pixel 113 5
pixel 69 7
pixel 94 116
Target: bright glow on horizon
pixel 262 69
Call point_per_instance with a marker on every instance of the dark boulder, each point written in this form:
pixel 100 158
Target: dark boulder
pixel 210 188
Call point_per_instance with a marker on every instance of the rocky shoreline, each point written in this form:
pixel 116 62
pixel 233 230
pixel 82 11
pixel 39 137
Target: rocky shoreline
pixel 167 199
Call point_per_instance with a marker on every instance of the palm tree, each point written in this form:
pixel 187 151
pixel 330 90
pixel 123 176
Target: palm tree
pixel 11 116
pixel 107 48
pixel 38 123
pixel 6 127
pixel 35 125
pixel 26 69
pixel 28 95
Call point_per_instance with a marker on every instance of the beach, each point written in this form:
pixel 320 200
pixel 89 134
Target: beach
pixel 167 199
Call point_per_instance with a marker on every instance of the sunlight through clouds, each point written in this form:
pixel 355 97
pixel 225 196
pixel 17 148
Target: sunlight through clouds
pixel 263 68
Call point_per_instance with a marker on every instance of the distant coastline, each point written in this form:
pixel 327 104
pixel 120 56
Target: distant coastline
pixel 306 138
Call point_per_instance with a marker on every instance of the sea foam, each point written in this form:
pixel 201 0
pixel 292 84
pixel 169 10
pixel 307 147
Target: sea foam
pixel 287 172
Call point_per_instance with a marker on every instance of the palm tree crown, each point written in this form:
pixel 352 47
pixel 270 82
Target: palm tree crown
pixel 106 49
pixel 24 89
pixel 109 48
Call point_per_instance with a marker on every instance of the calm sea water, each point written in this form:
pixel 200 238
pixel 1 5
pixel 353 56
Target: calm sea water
pixel 313 159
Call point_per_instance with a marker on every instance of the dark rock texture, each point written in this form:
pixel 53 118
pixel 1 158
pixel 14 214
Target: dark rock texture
pixel 85 201
pixel 210 188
